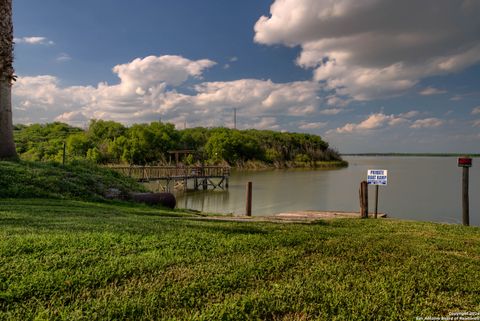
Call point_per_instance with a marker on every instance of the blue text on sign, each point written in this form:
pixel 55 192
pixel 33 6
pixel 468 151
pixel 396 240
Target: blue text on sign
pixel 377 177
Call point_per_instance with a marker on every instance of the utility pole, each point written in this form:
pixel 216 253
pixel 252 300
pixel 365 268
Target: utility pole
pixel 234 118
pixel 64 153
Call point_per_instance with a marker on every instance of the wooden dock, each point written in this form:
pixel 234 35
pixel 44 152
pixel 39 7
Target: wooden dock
pixel 178 177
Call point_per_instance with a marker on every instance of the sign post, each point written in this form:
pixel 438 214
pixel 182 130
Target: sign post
pixel 377 177
pixel 466 163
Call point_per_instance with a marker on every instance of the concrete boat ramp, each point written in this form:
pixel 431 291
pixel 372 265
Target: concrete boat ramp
pixel 293 217
pixel 316 215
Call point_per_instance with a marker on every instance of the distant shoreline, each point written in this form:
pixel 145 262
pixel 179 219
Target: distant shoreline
pixel 258 165
pixel 414 154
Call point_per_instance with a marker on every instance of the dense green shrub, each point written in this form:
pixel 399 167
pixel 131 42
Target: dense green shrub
pixel 77 180
pixel 110 142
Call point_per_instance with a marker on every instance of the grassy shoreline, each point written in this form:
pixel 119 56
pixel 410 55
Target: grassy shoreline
pixel 64 259
pixel 73 255
pixel 257 165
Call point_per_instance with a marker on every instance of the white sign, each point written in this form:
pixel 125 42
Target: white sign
pixel 377 177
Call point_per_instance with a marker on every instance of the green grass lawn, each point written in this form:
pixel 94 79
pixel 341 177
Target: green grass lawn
pixel 63 259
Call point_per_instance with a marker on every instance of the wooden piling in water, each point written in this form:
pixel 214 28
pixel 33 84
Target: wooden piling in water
pixel 363 196
pixel 248 207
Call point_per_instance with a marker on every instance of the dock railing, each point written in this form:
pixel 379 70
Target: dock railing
pixel 147 173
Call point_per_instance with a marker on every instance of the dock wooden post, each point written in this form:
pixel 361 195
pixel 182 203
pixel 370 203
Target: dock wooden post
pixel 465 200
pixel 248 209
pixel 363 195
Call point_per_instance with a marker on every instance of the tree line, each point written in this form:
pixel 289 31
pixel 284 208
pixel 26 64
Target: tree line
pixel 109 142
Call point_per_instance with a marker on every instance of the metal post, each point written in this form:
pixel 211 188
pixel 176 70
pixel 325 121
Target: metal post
pixel 376 201
pixel 465 200
pixel 249 199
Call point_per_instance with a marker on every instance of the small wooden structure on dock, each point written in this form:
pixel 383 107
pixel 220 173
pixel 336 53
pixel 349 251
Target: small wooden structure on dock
pixel 180 176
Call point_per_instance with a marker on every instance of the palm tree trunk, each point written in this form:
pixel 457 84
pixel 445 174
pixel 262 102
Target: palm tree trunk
pixel 7 144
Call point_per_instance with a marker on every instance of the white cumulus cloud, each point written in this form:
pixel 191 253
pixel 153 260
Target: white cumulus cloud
pixel 314 125
pixel 373 122
pixel 72 117
pixel 260 96
pixel 410 114
pixel 171 70
pixel 63 57
pixel 152 88
pixel 331 111
pixel 427 123
pixel 375 48
pixel 431 91
pixel 264 123
pixel 141 90
pixel 33 41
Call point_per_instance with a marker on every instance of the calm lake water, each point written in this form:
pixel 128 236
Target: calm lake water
pixel 419 188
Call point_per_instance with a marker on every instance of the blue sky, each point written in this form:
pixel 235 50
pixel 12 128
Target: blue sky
pixel 370 76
